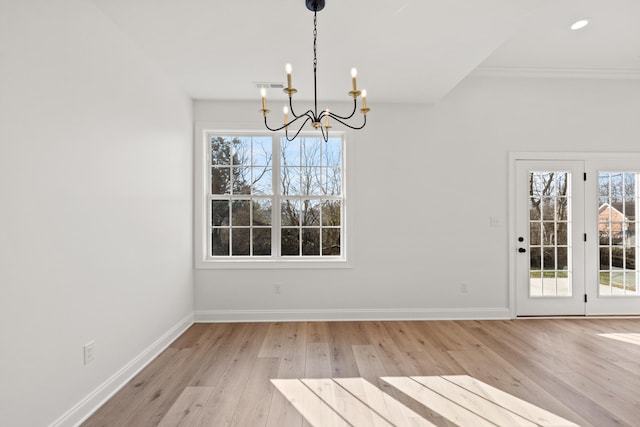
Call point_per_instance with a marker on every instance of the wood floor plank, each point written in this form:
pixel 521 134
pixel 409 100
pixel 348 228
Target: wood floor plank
pixel 371 367
pixel 342 336
pixel 221 407
pixel 386 348
pixel 283 413
pixel 292 365
pixel 443 363
pixel 213 369
pixel 552 389
pixel 161 396
pixel 405 335
pixel 369 362
pixel 188 408
pixel 255 403
pixel 314 410
pixel 533 339
pixel 293 359
pixel 134 392
pixel 192 336
pixel 628 412
pixel 318 332
pixel 276 339
pixel 318 360
pixel 385 405
pixel 506 377
pixel 445 407
pixel 479 405
pixel 544 370
pixel 177 378
pixel 352 410
pixel 452 336
pixel 526 410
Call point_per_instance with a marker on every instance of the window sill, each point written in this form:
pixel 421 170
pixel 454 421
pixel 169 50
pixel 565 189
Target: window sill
pixel 242 264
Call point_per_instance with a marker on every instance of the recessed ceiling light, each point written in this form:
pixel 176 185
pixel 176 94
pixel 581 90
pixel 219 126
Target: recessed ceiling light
pixel 579 24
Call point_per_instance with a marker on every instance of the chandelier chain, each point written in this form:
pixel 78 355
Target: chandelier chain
pixel 315 43
pixel 316 118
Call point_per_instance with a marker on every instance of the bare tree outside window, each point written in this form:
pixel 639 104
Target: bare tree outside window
pixel 549 228
pixel 310 186
pixel 307 201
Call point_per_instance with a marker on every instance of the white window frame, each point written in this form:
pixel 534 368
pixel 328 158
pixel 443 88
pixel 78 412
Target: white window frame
pixel 202 168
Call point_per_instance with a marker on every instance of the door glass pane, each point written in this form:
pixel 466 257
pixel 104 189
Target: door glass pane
pixel 549 231
pixel 617 194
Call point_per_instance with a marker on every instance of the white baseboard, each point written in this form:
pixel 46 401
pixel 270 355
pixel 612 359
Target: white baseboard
pixel 355 314
pixel 87 406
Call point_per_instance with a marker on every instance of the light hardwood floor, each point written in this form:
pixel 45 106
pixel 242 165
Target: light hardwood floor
pixel 443 373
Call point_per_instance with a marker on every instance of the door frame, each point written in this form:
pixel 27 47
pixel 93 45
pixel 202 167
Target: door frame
pixel 513 157
pixel 571 304
pixel 606 305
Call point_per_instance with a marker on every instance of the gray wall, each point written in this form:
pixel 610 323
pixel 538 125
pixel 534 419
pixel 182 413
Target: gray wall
pixel 427 180
pixel 96 207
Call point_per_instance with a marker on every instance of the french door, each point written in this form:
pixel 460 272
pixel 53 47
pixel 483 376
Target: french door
pixel 575 237
pixel 612 255
pixel 549 232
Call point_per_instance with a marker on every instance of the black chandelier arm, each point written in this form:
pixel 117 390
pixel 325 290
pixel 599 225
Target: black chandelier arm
pixel 272 130
pixel 348 125
pixel 336 116
pixel 308 115
pixel 294 114
pixel 286 132
pixel 325 135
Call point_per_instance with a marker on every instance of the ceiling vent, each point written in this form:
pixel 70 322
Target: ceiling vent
pixel 269 85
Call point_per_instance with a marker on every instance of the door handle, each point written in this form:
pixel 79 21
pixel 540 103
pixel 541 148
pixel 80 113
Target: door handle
pixel 522 250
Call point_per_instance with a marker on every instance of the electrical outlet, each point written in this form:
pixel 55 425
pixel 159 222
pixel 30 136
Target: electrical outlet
pixel 464 287
pixel 89 352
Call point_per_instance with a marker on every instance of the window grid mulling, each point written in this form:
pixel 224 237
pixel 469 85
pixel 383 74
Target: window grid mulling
pixel 306 195
pixel 617 242
pixel 234 193
pixel 550 234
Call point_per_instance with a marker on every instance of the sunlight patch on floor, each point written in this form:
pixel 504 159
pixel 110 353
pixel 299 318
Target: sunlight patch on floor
pixel 626 337
pixel 461 399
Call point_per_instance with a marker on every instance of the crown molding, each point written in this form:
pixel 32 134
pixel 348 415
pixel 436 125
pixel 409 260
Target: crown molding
pixel 566 73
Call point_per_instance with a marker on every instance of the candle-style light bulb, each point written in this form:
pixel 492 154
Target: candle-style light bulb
pixel 364 98
pixel 263 93
pixel 326 118
pixel 288 69
pixel 285 110
pixel 354 73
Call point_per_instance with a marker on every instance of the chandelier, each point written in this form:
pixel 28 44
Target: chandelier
pixel 322 120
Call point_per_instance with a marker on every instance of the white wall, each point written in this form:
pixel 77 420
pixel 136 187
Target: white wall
pixel 95 206
pixel 427 181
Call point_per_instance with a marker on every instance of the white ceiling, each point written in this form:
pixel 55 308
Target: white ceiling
pixel 412 51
